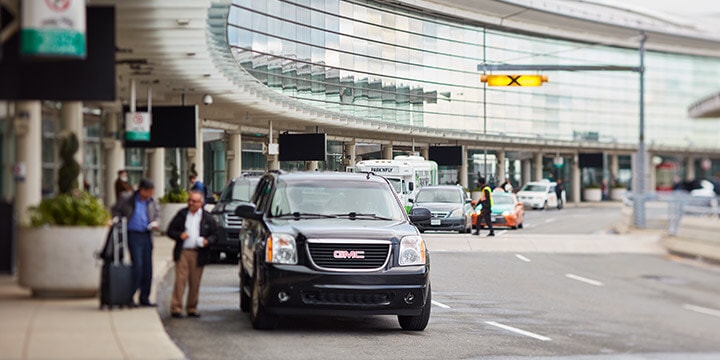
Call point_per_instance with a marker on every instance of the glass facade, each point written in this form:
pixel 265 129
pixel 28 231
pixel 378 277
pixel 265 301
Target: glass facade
pixel 375 61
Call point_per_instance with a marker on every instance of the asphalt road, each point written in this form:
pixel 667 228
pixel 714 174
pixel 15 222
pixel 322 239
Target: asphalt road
pixel 495 306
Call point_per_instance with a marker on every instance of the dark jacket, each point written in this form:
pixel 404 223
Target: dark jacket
pixel 208 230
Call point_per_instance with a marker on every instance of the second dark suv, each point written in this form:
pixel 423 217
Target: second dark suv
pixel 236 192
pixel 332 244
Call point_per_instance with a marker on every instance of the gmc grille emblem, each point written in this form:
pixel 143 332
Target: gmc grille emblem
pixel 353 254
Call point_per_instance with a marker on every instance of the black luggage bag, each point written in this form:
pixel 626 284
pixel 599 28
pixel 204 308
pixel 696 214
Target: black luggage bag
pixel 116 285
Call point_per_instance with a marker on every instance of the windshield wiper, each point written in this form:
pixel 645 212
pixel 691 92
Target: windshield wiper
pixel 301 215
pixel 354 215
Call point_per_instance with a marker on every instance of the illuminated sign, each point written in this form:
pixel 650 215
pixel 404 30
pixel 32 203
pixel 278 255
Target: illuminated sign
pixel 514 80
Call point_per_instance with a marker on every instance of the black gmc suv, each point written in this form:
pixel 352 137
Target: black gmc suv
pixel 319 243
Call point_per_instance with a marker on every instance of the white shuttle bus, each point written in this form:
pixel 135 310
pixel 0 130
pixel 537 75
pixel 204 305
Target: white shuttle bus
pixel 407 174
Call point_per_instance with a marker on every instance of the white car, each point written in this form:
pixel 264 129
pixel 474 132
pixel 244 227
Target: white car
pixel 540 195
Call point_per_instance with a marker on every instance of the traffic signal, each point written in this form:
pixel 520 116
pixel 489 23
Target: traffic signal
pixel 514 80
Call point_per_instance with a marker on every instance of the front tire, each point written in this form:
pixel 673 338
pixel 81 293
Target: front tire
pixel 259 318
pixel 418 322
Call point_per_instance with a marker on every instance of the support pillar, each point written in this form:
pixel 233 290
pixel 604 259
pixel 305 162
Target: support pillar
pixel 71 119
pixel 157 170
pixel 500 170
pixel 28 142
pixel 537 166
pixel 234 155
pixel 575 178
pixel 311 165
pixel 464 168
pixel 613 167
pixel 425 152
pixel 525 172
pixel 273 161
pixel 690 173
pixel 650 175
pixel 387 151
pixel 350 154
pixel 114 157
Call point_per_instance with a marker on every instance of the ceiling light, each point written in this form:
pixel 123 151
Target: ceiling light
pixel 183 22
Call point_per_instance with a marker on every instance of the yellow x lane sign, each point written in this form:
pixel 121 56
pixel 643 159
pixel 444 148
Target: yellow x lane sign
pixel 514 80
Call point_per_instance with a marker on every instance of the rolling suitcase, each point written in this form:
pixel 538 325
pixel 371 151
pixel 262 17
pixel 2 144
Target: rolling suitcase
pixel 116 285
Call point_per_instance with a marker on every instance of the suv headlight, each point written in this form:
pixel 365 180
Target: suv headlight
pixel 281 249
pixel 412 251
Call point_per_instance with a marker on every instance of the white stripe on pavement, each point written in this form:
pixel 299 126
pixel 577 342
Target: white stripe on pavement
pixel 439 304
pixel 522 258
pixel 702 310
pixel 585 280
pixel 519 331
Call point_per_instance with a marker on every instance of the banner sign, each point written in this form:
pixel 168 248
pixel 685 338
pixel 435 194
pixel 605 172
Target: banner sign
pixel 53 28
pixel 137 126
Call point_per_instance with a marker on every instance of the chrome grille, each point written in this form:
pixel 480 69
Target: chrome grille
pixel 232 220
pixel 324 297
pixel 322 253
pixel 439 214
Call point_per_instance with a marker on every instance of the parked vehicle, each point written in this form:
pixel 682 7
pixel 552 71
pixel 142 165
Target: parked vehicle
pixel 236 192
pixel 320 243
pixel 450 206
pixel 407 174
pixel 540 195
pixel 507 211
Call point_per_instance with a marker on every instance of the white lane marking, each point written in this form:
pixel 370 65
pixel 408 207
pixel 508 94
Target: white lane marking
pixel 501 232
pixel 522 258
pixel 439 304
pixel 585 280
pixel 519 331
pixel 550 220
pixel 702 310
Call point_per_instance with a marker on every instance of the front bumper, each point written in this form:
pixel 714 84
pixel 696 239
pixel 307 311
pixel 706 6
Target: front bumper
pixel 298 290
pixel 452 224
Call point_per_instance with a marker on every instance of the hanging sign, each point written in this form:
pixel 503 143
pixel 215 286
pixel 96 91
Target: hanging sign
pixel 137 126
pixel 53 28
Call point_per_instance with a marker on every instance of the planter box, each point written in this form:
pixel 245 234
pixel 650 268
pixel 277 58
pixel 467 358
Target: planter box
pixel 167 212
pixel 592 195
pixel 59 261
pixel 617 194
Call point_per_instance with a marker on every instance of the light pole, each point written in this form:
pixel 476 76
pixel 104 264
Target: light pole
pixel 641 163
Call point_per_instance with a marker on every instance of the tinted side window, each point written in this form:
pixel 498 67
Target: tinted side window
pixel 262 193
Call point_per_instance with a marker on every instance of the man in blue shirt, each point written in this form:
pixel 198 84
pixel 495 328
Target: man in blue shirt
pixel 197 185
pixel 143 216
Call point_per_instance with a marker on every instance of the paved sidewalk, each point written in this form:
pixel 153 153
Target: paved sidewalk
pixel 34 328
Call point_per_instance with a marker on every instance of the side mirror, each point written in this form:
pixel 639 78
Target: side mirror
pixel 419 214
pixel 411 200
pixel 248 211
pixel 411 186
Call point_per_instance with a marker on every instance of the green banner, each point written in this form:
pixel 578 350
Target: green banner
pixel 52 42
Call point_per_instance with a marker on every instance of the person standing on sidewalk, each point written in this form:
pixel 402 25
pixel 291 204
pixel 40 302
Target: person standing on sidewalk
pixel 122 185
pixel 143 216
pixel 485 213
pixel 193 229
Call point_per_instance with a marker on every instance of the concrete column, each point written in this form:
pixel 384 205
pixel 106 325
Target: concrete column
pixel 157 170
pixel 114 157
pixel 234 155
pixel 525 172
pixel 650 176
pixel 273 162
pixel 537 166
pixel 387 151
pixel 28 142
pixel 311 165
pixel 690 173
pixel 464 168
pixel 613 166
pixel 500 170
pixel 425 153
pixel 71 119
pixel 195 156
pixel 350 154
pixel 575 179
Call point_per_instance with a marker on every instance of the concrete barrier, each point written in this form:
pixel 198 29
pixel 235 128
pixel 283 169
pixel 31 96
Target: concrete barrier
pixel 697 236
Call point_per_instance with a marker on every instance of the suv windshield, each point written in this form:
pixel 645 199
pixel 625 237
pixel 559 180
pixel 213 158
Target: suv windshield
pixel 342 199
pixel 241 190
pixel 534 188
pixel 427 195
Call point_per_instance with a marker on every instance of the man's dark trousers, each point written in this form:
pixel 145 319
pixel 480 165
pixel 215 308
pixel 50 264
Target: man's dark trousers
pixel 140 245
pixel 485 215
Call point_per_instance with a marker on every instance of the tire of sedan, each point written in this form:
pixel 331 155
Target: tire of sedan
pixel 260 319
pixel 418 322
pixel 245 300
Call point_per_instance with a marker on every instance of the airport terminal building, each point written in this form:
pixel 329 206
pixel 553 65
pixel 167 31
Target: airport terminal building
pixel 387 78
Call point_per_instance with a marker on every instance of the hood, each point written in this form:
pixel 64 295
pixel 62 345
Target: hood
pixel 439 206
pixel 344 228
pixel 500 208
